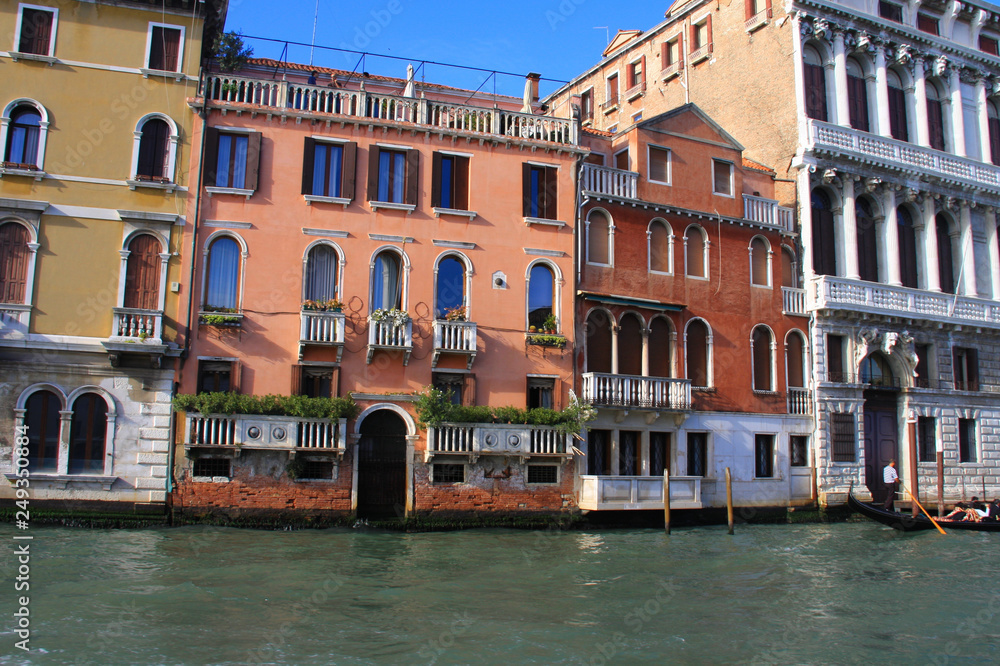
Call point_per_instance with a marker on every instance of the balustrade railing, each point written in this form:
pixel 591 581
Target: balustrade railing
pixel 799 401
pixel 605 180
pixel 136 324
pixel 390 334
pixel 768 212
pixel 793 301
pixel 265 432
pixel 479 439
pixel 14 318
pixel 455 336
pixel 318 327
pixel 607 390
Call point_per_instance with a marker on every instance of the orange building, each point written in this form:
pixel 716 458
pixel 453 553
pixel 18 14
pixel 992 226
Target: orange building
pixel 366 236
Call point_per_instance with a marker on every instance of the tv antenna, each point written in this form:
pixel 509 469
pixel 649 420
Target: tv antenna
pixel 312 45
pixel 607 34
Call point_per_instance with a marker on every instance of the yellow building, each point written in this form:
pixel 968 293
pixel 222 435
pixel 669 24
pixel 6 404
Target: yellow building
pixel 95 142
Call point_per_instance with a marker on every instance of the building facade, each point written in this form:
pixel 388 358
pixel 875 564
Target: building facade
pixel 93 192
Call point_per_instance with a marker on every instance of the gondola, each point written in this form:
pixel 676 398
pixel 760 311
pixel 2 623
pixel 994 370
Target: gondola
pixel 908 523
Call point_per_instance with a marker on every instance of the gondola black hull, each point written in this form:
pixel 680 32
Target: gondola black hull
pixel 907 523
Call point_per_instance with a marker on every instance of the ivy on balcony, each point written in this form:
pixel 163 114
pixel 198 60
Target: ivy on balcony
pixel 267 405
pixel 434 407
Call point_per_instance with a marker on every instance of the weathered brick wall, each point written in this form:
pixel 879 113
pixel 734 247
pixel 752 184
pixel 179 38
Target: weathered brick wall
pixel 499 494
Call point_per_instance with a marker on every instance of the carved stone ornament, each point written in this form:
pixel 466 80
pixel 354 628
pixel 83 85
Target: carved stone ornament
pixel 872 184
pixel 866 340
pixel 951 203
pixel 904 53
pixel 849 39
pixel 971 76
pixel 940 65
pixel 830 176
pixel 821 28
pixel 912 196
pixel 864 42
pixel 905 350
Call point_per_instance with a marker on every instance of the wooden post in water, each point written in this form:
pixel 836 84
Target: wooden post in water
pixel 912 463
pixel 729 499
pixel 666 501
pixel 940 483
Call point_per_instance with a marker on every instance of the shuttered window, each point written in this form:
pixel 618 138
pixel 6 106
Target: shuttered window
pixel 154 151
pixel 14 261
pixel 815 91
pixel 36 31
pixel 232 160
pixel 142 273
pixel 392 175
pixel 328 169
pixel 450 181
pixel 897 114
pixel 540 191
pixel 857 98
pixel 164 48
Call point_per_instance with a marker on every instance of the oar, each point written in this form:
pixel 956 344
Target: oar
pixel 939 529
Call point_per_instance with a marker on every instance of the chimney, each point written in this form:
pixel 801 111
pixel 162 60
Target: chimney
pixel 533 78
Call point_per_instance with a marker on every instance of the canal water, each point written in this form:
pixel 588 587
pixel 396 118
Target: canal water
pixel 784 594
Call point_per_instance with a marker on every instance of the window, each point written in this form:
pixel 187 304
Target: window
pixel 763 456
pixel 890 11
pixel 927 438
pixel 621 160
pixel 660 247
pixel 697 453
pixel 142 273
pixel 946 258
pixel 630 334
pixel 760 265
pixel 923 369
pixel 876 371
pixel 628 453
pixel 543 473
pixel 541 294
pixel 660 349
pixel 636 117
pixel 88 431
pixel 211 467
pixel 155 155
pixel 867 235
pixel 599 452
pixel 857 95
pixel 815 85
pixel 541 392
pixel 322 271
pixel 927 23
pixel 611 92
pixel 696 252
pixel 451 383
pixel 599 341
pixel 596 159
pixel 450 184
pixel 722 178
pixel 835 359
pixel 599 230
pixel 320 470
pixel 659 452
pixel 988 45
pixel 223 279
pixel 392 175
pixel 540 191
pixel 898 125
pixel 993 125
pixel 387 282
pixel 795 360
pixel 659 165
pixel 824 250
pixel 755 7
pixel 42 420
pixel 789 273
pixel 328 168
pixel 671 57
pixel 165 47
pixel 935 116
pixel 23 138
pixel 636 77
pixel 317 381
pixel 799 450
pixel 217 376
pixel 842 436
pixel 37 30
pixel 233 160
pixel 15 261
pixel 966 368
pixel 451 276
pixel 697 353
pixel 448 473
pixel 587 105
pixel 701 39
pixel 761 343
pixel 967 452
pixel 907 238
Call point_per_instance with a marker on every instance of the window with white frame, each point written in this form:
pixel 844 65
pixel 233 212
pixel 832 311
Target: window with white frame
pixel 697 453
pixel 16 262
pixel 722 178
pixel 661 243
pixel 223 274
pixel 611 91
pixel 763 456
pixel 795 360
pixel 760 262
pixel 599 238
pixel 154 150
pixel 541 295
pixel 967 450
pixel 701 38
pixel 328 168
pixel 387 281
pixel 658 164
pixel 89 415
pixel 165 50
pixel 587 105
pixel 621 159
pixel 762 354
pixel 23 132
pixel 145 271
pixel 672 56
pixel 698 353
pixel 322 273
pixel 231 159
pixel 36 30
pixel 696 252
pixel 449 291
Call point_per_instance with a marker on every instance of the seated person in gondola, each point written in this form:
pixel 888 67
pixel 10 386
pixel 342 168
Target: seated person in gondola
pixel 993 512
pixel 962 511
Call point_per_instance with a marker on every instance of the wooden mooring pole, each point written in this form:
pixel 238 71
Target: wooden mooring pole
pixel 729 499
pixel 666 501
pixel 940 483
pixel 912 463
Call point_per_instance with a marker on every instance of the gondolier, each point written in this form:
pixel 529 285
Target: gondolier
pixel 890 478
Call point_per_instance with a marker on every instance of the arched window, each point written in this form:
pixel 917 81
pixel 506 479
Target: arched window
pixel 387 282
pixel 598 238
pixel 660 255
pixel 696 252
pixel 795 360
pixel 42 420
pixel 789 274
pixel 660 348
pixel 857 95
pixel 23 137
pixel 907 237
pixel 154 151
pixel 815 84
pixel 630 345
pixel 823 239
pixel 88 433
pixel 898 123
pixel 697 353
pixel 322 268
pixel 993 120
pixel 763 360
pixel 14 262
pixel 946 257
pixel 541 295
pixel 760 264
pixel 867 240
pixel 450 285
pixel 223 279
pixel 599 341
pixel 875 370
pixel 935 116
pixel 142 273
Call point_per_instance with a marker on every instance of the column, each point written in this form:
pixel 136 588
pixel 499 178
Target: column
pixel 839 238
pixel 65 423
pixel 930 247
pixel 840 79
pixel 920 103
pixel 920 232
pixel 805 223
pixel 968 286
pixel 957 115
pixel 614 348
pixel 888 251
pixel 992 252
pixel 850 231
pixel 983 119
pixel 881 93
pixel 645 351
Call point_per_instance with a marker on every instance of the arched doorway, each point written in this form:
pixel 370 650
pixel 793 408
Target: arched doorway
pixel 382 465
pixel 881 420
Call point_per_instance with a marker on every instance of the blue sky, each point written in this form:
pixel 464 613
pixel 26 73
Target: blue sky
pixel 556 38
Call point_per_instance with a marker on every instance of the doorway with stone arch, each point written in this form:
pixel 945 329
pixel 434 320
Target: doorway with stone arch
pixel 381 465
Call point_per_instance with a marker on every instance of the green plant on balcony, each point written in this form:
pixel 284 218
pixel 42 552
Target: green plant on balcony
pixel 328 305
pixel 457 313
pixel 545 340
pixel 434 407
pixel 299 406
pixel 394 317
pixel 549 324
pixel 231 52
pixel 219 320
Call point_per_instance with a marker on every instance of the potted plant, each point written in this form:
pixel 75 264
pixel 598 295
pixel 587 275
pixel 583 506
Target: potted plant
pixel 456 313
pixel 549 324
pixel 394 316
pixel 329 305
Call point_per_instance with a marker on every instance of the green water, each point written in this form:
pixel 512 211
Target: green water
pixel 802 594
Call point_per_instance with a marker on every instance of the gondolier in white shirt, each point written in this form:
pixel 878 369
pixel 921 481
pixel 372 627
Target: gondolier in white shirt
pixel 890 478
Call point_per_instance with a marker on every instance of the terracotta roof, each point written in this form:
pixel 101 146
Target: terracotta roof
pixel 596 132
pixel 756 166
pixel 306 69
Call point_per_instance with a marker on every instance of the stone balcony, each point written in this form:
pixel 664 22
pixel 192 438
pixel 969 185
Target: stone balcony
pixel 767 213
pixel 793 301
pixel 617 183
pixel 636 392
pixel 454 337
pixel 626 493
pixel 323 329
pixel 388 336
pixel 136 332
pixel 472 440
pixel 15 318
pixel 246 431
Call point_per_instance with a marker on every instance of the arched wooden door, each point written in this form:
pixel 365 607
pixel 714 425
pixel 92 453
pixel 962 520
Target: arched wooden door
pixel 382 466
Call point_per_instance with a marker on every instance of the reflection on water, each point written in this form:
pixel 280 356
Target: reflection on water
pixel 818 594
